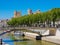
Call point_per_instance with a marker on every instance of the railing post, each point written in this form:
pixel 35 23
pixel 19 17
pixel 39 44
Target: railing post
pixel 0 41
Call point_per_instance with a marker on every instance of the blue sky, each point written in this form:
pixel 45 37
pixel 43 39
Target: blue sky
pixel 7 7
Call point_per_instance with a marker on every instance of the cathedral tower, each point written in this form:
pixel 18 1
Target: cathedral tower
pixel 17 14
pixel 30 11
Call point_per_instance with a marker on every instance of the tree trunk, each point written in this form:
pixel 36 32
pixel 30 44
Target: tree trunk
pixel 53 23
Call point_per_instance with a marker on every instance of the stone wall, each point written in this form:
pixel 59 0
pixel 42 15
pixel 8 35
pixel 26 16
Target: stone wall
pixel 52 31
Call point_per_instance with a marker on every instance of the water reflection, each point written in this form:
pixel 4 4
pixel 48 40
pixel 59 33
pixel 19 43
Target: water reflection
pixel 6 40
pixel 31 41
pixel 23 40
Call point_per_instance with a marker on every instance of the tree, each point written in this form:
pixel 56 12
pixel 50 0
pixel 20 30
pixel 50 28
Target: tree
pixel 49 16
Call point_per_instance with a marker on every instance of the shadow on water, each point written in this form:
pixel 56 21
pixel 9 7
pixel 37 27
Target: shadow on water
pixel 21 40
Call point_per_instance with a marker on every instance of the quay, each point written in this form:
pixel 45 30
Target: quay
pixel 53 37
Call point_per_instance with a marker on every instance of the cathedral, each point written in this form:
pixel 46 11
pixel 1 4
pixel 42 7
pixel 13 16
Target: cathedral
pixel 29 11
pixel 17 14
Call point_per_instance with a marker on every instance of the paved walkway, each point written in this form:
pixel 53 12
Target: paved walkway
pixel 54 39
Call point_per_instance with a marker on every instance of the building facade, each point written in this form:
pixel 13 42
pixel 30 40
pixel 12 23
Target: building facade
pixel 29 11
pixel 17 14
pixel 38 11
pixel 3 23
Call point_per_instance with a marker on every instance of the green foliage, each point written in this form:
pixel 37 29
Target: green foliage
pixel 51 15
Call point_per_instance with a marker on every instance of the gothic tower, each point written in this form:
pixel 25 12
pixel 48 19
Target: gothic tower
pixel 30 11
pixel 38 11
pixel 17 14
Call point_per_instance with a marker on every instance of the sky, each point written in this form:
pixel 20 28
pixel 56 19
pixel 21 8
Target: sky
pixel 7 7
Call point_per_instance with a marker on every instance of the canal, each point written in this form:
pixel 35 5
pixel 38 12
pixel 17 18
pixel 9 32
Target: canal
pixel 23 40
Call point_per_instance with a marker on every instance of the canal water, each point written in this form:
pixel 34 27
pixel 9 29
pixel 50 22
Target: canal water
pixel 7 40
pixel 30 41
pixel 24 41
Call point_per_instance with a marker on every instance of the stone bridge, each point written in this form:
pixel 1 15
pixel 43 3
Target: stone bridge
pixel 9 29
